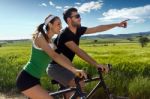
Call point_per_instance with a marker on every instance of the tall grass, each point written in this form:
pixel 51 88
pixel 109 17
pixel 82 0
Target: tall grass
pixel 12 59
pixel 139 88
pixel 129 60
pixel 130 75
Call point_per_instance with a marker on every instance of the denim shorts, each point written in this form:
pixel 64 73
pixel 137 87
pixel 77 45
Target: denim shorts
pixel 60 74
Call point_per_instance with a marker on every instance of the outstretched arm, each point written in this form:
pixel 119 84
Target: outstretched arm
pixel 102 28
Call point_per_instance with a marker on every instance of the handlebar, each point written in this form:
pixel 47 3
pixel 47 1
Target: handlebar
pixel 109 66
pixel 79 78
pixel 89 78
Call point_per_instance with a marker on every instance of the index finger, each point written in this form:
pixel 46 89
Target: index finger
pixel 126 20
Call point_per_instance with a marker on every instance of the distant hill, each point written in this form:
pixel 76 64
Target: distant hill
pixel 103 36
pixel 14 40
pixel 130 35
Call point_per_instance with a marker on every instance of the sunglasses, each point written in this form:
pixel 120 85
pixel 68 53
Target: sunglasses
pixel 76 16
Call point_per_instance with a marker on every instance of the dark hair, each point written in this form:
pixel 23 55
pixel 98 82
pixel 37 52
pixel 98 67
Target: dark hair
pixel 40 28
pixel 68 13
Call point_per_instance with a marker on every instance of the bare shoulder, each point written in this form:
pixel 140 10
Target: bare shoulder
pixel 39 40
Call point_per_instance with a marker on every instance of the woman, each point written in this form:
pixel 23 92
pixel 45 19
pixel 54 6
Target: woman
pixel 28 81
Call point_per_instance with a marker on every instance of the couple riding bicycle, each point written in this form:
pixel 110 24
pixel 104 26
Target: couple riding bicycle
pixel 61 52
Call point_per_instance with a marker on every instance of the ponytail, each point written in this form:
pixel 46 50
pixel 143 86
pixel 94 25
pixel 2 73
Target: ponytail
pixel 40 30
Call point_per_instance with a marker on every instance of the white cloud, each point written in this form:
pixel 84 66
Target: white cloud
pixel 88 6
pixel 77 3
pixel 43 4
pixel 139 14
pixel 82 8
pixel 140 21
pixel 58 7
pixel 66 7
pixel 51 3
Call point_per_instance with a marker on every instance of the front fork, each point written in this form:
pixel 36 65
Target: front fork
pixel 106 89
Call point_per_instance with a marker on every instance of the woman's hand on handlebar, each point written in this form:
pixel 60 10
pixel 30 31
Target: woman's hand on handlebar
pixel 80 74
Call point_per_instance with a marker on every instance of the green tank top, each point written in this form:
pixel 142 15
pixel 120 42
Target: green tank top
pixel 38 62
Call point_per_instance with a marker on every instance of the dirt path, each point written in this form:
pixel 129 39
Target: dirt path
pixel 2 96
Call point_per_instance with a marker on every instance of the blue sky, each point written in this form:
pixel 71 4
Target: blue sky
pixel 19 18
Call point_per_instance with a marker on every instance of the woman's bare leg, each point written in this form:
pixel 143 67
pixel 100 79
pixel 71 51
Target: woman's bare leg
pixel 37 92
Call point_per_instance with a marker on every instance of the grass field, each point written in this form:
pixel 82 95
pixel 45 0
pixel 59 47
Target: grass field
pixel 130 75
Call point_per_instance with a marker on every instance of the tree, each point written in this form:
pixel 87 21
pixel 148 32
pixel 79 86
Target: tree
pixel 95 41
pixel 143 41
pixel 130 39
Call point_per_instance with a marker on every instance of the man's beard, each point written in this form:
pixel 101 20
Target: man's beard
pixel 76 25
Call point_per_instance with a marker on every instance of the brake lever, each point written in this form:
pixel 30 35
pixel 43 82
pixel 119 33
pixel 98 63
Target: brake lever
pixel 109 66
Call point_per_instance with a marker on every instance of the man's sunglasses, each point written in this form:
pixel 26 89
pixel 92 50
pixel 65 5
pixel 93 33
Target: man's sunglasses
pixel 76 16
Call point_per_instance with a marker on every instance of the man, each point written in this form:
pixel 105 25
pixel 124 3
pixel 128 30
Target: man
pixel 67 44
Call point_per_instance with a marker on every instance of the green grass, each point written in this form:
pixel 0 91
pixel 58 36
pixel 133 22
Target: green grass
pixel 12 59
pixel 139 88
pixel 129 61
pixel 130 75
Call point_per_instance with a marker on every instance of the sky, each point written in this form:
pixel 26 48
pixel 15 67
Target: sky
pixel 20 18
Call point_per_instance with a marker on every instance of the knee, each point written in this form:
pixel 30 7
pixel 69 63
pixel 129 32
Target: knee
pixel 71 83
pixel 82 83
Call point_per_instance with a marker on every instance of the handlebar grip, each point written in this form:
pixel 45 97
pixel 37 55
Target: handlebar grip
pixel 99 69
pixel 109 66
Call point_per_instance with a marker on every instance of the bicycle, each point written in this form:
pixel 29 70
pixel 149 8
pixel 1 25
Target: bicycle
pixel 78 92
